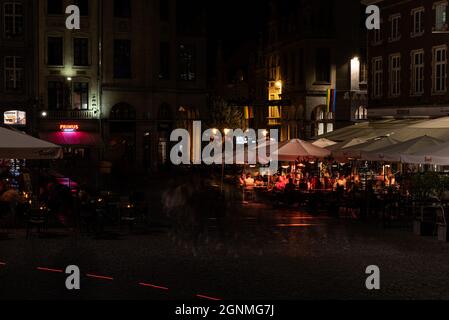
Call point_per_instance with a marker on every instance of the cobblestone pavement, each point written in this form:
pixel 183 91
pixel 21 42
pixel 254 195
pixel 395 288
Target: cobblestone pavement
pixel 269 254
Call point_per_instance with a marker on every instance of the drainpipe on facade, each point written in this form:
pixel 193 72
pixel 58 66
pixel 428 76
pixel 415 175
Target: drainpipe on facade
pixel 100 87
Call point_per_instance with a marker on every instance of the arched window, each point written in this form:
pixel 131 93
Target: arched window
pixel 361 113
pixel 123 111
pixel 322 121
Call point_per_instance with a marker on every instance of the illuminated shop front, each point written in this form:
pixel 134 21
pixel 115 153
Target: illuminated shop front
pixel 15 118
pixel 79 141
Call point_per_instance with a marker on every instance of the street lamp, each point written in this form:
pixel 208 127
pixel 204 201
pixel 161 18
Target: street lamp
pixel 355 63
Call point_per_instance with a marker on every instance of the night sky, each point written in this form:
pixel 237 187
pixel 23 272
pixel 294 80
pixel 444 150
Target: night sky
pixel 234 23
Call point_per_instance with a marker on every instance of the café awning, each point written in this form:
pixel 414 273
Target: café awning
pixel 435 128
pixel 401 130
pixel 432 155
pixel 77 138
pixel 346 144
pixel 393 153
pixel 297 149
pixel 324 143
pixel 17 145
pixel 371 130
pixel 356 151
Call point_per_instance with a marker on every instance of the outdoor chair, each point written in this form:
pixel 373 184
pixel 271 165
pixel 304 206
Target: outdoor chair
pixel 249 193
pixel 347 208
pixel 128 216
pixel 425 221
pixel 36 218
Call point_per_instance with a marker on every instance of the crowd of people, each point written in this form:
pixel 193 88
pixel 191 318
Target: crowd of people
pixel 295 181
pixel 340 181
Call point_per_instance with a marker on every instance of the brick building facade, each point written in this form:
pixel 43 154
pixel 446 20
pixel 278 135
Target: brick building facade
pixel 408 60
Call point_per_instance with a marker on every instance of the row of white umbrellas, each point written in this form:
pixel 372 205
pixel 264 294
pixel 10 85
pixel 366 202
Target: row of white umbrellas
pixel 420 150
pixel 288 151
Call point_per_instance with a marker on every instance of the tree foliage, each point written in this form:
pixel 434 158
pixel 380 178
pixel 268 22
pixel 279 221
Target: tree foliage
pixel 224 116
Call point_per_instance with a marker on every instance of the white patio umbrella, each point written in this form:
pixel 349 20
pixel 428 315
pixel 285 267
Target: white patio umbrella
pixel 433 155
pixel 297 149
pixel 393 153
pixel 337 149
pixel 324 143
pixel 356 151
pixel 347 144
pixel 17 145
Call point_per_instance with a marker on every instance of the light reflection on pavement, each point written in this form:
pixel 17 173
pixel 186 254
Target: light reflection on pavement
pixel 264 253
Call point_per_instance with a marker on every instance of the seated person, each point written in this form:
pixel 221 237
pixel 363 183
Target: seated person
pixel 280 184
pixel 303 186
pixel 242 179
pixel 249 181
pixel 259 181
pixel 318 184
pixel 290 186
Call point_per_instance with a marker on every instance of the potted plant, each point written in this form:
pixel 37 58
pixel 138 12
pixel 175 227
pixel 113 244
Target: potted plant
pixel 424 189
pixel 443 195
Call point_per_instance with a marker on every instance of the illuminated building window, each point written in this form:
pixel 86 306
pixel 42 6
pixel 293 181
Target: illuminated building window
pixel 322 122
pixel 274 115
pixel 13 73
pixel 249 113
pixel 441 17
pixel 275 90
pixel 13 19
pixel 15 118
pixel 274 112
pixel 80 97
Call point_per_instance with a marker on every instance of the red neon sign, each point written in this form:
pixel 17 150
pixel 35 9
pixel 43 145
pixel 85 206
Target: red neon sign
pixel 69 127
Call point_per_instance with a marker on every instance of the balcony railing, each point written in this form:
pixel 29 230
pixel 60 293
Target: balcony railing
pixel 274 121
pixel 72 114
